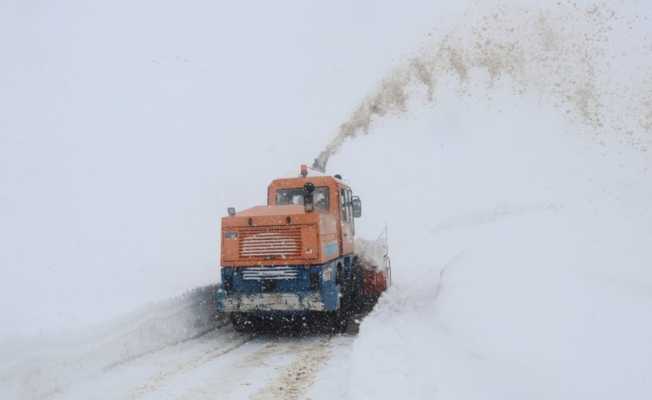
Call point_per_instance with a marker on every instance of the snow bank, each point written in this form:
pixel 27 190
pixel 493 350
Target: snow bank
pixel 520 232
pixel 45 366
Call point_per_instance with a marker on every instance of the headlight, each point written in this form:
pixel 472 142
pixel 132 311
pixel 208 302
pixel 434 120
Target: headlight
pixel 327 275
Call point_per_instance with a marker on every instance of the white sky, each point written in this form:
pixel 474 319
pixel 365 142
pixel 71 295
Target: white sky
pixel 126 129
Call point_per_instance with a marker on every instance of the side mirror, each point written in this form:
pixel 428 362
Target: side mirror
pixel 357 207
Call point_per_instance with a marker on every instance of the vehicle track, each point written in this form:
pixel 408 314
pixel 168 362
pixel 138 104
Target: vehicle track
pixel 144 354
pixel 296 378
pixel 150 357
pixel 267 367
pixel 263 366
pixel 163 376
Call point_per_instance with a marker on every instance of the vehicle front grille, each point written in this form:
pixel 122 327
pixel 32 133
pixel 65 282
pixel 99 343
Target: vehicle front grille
pixel 269 273
pixel 270 242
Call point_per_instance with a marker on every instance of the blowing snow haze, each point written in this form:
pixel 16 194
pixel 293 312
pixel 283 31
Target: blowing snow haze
pixel 506 144
pixel 127 130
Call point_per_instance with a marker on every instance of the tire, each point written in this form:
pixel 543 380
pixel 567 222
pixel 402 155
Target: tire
pixel 242 323
pixel 335 321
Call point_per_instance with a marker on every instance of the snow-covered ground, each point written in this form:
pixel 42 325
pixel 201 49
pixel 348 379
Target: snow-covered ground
pixel 528 276
pixel 177 350
pixel 521 218
pixel 507 145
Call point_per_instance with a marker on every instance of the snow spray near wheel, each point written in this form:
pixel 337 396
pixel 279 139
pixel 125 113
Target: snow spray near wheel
pixel 563 52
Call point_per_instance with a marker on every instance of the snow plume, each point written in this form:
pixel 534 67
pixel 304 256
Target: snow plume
pixel 563 53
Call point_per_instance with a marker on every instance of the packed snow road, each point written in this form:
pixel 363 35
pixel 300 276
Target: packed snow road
pixel 177 349
pixel 222 364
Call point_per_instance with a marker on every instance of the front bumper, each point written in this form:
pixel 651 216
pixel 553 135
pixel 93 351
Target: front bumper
pixel 261 302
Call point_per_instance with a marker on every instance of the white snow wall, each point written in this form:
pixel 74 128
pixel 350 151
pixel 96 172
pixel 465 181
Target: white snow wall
pixel 510 160
pixel 36 369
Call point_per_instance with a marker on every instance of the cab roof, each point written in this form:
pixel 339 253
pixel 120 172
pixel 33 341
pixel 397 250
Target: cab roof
pixel 300 181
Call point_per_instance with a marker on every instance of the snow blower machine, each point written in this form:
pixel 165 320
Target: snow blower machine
pixel 297 257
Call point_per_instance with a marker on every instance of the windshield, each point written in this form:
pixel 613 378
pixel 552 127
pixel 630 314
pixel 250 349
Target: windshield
pixel 295 196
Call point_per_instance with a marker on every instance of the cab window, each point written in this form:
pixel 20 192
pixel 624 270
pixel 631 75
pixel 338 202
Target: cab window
pixel 295 196
pixel 345 205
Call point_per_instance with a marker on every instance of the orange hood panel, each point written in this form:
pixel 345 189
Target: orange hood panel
pixel 271 211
